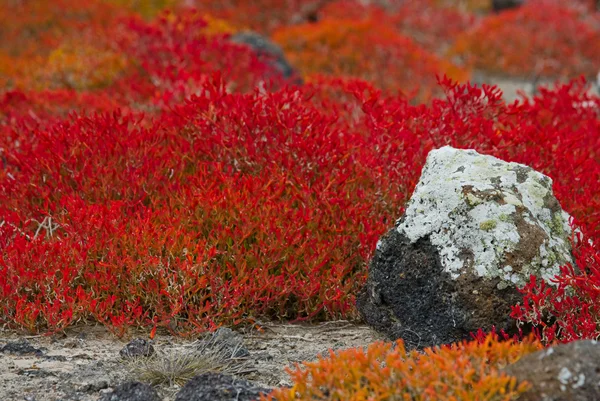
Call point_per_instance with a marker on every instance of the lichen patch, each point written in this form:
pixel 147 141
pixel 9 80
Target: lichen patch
pixel 498 213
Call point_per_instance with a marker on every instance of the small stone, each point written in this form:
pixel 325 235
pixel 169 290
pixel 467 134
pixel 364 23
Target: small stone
pixel 21 347
pixel 94 386
pixel 500 5
pixel 137 348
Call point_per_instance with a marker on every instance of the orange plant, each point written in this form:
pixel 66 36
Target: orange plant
pixel 36 27
pixel 364 49
pixel 35 30
pixel 260 15
pixel 468 371
pixel 81 66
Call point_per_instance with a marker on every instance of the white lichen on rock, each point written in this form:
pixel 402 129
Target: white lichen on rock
pixel 494 218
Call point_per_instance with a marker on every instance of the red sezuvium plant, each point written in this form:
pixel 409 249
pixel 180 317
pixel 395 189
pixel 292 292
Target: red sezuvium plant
pixel 430 23
pixel 240 204
pixel 234 207
pixel 569 308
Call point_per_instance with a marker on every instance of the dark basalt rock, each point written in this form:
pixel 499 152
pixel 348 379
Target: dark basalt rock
pixel 270 53
pixel 21 347
pixel 132 391
pixel 500 5
pixel 219 387
pixel 474 231
pixel 566 372
pixel 409 296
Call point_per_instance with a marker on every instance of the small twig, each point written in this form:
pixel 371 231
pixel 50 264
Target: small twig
pixel 298 338
pixel 47 225
pixel 346 323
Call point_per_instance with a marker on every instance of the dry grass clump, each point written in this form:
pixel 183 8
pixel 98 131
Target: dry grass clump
pixel 177 366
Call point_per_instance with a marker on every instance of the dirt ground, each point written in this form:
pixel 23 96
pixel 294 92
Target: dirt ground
pixel 84 363
pixel 511 86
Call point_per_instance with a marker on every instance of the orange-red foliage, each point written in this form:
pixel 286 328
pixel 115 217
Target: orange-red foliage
pixel 545 38
pixel 366 49
pixel 259 15
pixel 62 43
pixel 469 371
pixel 432 24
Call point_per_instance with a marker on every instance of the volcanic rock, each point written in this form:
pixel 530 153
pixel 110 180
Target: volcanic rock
pixel 219 387
pixel 499 5
pixel 132 391
pixel 137 347
pixel 223 341
pixel 474 231
pixel 565 372
pixel 269 52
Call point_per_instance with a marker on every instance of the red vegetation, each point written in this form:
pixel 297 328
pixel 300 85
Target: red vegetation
pixel 167 175
pixel 568 310
pixel 174 55
pixel 31 31
pixel 240 206
pixel 432 24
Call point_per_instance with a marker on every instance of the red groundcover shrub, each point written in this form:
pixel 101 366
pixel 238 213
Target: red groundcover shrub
pixel 569 309
pixel 176 54
pixel 234 207
pixel 139 65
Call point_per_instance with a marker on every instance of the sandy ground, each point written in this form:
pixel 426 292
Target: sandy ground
pixel 511 86
pixel 84 363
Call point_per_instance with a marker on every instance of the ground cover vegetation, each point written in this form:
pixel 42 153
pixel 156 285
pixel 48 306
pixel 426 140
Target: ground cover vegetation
pixel 155 174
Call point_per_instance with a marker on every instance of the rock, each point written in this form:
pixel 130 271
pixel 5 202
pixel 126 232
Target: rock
pixel 21 347
pixel 224 341
pixel 566 372
pixel 270 52
pixel 219 387
pixel 137 348
pixel 132 391
pixel 474 230
pixel 499 5
pixel 94 385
